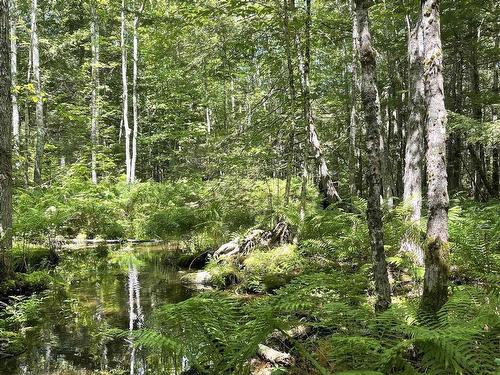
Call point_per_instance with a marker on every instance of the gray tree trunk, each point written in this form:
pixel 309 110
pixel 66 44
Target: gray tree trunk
pixel 39 121
pixel 327 185
pixel 126 126
pixel 13 70
pixel 371 105
pixel 412 180
pixel 291 95
pixel 94 31
pixel 495 165
pixel 354 152
pixel 435 292
pixel 5 138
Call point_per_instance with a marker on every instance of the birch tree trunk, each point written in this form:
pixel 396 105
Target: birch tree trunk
pixel 39 121
pixel 134 94
pixel 291 95
pixel 327 186
pixel 435 292
pixel 13 73
pixel 371 105
pixel 126 126
pixel 94 31
pixel 5 138
pixel 412 180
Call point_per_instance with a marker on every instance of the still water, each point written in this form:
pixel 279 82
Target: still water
pixel 85 316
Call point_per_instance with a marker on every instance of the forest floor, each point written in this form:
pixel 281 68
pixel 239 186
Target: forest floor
pixel 312 278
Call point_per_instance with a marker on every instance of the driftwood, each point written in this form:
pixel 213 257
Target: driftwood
pixel 279 235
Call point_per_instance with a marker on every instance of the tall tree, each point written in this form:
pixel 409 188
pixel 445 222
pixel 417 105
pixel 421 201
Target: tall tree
pixel 412 180
pixel 327 185
pixel 94 35
pixel 354 153
pixel 5 137
pixel 126 126
pixel 13 69
pixel 134 91
pixel 40 126
pixel 435 292
pixel 371 105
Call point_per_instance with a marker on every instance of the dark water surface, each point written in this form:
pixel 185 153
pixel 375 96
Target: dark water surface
pixel 93 299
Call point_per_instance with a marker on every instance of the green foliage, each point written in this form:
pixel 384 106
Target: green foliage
pixel 266 270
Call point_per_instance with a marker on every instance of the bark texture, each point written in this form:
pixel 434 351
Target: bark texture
pixel 135 104
pixel 126 126
pixel 435 292
pixel 5 138
pixel 39 121
pixel 326 183
pixel 412 180
pixel 94 32
pixel 354 152
pixel 371 105
pixel 13 70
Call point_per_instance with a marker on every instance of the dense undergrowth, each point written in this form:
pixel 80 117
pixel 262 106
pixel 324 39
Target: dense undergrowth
pixel 321 281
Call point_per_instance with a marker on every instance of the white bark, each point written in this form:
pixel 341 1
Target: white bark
pixel 412 180
pixel 125 91
pixel 133 161
pixel 40 127
pixel 94 30
pixel 436 254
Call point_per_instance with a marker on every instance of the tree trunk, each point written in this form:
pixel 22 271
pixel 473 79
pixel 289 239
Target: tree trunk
pixel 13 70
pixel 291 95
pixel 454 154
pixel 5 139
pixel 435 292
pixel 40 127
pixel 134 94
pixel 371 105
pixel 412 180
pixel 327 186
pixel 494 173
pixel 354 152
pixel 94 31
pixel 125 92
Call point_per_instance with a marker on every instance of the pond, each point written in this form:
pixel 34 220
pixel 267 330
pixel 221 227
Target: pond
pixel 95 300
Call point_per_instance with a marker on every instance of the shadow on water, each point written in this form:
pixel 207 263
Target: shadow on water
pixel 85 316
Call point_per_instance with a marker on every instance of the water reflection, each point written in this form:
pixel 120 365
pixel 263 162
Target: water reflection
pixel 95 296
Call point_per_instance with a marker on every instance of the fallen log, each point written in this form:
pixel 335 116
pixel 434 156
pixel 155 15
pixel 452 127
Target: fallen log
pixel 274 356
pixel 279 235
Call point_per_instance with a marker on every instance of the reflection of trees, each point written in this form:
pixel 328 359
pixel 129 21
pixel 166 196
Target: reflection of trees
pixel 136 317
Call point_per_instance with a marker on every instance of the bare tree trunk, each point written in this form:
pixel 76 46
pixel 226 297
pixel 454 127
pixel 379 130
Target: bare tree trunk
pixel 94 31
pixel 13 73
pixel 494 173
pixel 208 120
pixel 412 180
pixel 292 96
pixel 40 127
pixel 134 93
pixel 435 292
pixel 5 139
pixel 125 91
pixel 354 152
pixel 327 186
pixel 371 104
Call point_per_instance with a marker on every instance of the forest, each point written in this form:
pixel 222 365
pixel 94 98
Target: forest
pixel 256 187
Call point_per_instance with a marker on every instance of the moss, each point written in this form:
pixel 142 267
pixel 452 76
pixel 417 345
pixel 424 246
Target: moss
pixel 223 273
pixel 266 270
pixel 436 274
